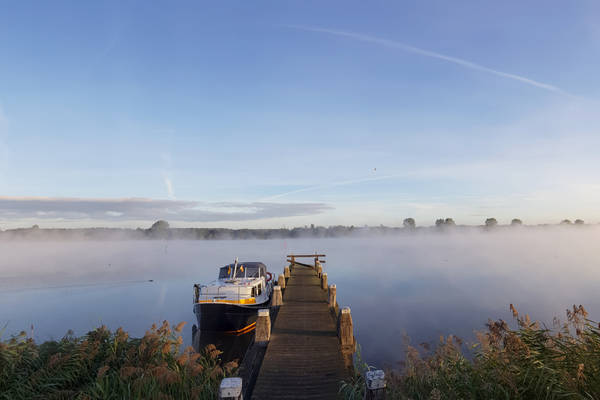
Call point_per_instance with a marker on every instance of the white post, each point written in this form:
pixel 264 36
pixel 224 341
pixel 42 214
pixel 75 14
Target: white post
pixel 375 385
pixel 231 389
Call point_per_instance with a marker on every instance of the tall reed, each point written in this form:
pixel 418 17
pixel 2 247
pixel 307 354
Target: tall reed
pixel 528 362
pixel 110 365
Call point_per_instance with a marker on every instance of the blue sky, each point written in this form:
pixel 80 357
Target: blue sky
pixel 270 114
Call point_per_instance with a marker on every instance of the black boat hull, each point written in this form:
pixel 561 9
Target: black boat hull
pixel 227 318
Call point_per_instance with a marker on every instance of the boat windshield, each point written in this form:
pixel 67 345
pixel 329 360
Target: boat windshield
pixel 247 270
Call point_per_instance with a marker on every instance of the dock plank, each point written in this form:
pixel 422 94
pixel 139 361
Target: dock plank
pixel 303 359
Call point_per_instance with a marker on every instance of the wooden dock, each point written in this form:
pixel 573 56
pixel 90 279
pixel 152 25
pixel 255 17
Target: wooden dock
pixel 304 358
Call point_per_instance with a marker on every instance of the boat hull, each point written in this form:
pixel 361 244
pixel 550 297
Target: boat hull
pixel 227 318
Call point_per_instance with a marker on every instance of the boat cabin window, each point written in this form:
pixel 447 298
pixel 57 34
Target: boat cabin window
pixel 256 290
pixel 248 270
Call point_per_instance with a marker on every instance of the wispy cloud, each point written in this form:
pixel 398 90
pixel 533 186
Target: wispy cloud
pixel 169 186
pixel 334 184
pixel 432 54
pixel 15 208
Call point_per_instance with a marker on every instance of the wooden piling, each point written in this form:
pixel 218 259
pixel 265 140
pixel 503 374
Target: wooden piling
pixel 332 295
pixel 286 272
pixel 324 281
pixel 263 327
pixel 374 385
pixel 346 336
pixel 281 281
pixel 230 389
pixel 277 299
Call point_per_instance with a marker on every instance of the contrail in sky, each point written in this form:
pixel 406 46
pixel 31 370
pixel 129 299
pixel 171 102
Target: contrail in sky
pixel 427 53
pixel 340 183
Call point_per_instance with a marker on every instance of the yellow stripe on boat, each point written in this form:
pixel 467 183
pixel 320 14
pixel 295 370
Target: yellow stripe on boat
pixel 243 330
pixel 250 300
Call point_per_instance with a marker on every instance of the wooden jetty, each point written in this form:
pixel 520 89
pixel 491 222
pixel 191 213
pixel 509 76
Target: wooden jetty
pixel 304 344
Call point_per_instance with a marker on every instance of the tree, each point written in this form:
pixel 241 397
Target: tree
pixel 159 225
pixel 516 222
pixel 579 222
pixel 409 223
pixel 160 229
pixel 491 222
pixel 442 223
pixel 566 222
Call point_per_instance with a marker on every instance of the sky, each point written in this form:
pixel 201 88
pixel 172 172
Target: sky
pixel 287 113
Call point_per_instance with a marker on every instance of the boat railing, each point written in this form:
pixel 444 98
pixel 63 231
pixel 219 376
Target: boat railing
pixel 198 291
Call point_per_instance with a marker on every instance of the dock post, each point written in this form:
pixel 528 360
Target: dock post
pixel 286 272
pixel 263 327
pixel 375 385
pixel 346 331
pixel 324 281
pixel 230 389
pixel 277 298
pixel 281 281
pixel 332 293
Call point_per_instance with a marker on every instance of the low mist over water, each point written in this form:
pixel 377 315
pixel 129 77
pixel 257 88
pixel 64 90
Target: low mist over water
pixel 423 285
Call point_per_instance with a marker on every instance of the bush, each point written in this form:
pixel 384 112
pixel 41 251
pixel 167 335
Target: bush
pixel 110 365
pixel 530 362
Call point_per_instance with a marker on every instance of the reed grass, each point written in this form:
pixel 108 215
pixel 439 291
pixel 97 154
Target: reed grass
pixel 110 365
pixel 527 362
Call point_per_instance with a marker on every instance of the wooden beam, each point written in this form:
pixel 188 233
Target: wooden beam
pixel 306 255
pixel 297 262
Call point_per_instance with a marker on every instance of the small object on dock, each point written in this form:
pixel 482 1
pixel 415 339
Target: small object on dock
pixel 230 389
pixel 332 293
pixel 374 385
pixel 286 272
pixel 324 281
pixel 319 270
pixel 277 299
pixel 263 327
pixel 281 281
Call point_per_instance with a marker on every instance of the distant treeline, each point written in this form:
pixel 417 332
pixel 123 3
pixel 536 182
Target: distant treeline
pixel 162 230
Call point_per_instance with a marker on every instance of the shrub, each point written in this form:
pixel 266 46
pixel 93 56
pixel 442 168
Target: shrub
pixel 110 365
pixel 530 362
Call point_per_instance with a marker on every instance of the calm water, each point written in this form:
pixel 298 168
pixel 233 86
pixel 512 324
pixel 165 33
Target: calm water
pixel 422 286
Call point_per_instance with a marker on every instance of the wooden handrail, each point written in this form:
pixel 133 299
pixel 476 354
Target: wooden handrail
pixel 306 255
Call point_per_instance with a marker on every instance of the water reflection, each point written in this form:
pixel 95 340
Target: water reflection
pixel 233 346
pixel 422 286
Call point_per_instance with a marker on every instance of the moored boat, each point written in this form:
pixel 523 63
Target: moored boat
pixel 231 302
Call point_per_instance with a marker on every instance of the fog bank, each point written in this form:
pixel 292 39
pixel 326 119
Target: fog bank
pixel 425 285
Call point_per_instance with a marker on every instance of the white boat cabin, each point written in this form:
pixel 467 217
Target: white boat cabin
pixel 241 283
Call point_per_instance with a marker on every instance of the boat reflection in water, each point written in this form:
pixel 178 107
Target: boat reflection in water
pixel 233 346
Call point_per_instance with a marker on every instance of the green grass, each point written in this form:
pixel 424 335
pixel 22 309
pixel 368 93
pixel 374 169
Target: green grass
pixel 528 362
pixel 110 365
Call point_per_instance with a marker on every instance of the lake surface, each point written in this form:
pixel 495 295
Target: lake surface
pixel 422 285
